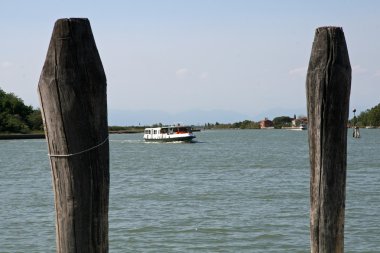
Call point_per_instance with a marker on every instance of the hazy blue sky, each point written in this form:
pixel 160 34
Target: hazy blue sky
pixel 248 57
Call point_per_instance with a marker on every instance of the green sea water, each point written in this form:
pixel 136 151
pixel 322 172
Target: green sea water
pixel 231 191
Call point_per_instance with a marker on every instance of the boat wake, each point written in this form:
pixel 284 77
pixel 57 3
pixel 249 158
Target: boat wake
pixel 128 141
pixel 170 142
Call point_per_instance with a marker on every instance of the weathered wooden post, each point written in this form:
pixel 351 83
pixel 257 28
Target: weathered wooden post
pixel 328 88
pixel 72 89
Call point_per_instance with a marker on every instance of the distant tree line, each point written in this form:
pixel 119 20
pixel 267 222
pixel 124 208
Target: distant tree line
pixel 16 117
pixel 282 121
pixel 246 124
pixel 278 122
pixel 370 117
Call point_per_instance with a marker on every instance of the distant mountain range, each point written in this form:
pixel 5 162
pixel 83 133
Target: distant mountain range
pixel 189 117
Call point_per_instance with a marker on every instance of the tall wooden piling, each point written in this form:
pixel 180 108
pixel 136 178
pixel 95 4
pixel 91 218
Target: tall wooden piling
pixel 328 88
pixel 72 89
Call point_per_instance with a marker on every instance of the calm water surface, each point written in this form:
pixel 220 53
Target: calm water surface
pixel 232 191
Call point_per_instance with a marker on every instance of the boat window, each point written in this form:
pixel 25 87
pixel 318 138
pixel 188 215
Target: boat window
pixel 154 131
pixel 164 130
pixel 182 130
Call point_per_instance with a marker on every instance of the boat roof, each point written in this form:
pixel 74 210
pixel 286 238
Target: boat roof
pixel 168 127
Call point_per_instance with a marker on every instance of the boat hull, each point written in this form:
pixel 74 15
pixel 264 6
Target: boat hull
pixel 172 139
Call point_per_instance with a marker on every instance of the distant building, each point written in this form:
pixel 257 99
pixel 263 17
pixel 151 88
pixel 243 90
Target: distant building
pixel 266 123
pixel 299 121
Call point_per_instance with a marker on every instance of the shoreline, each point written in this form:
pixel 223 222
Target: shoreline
pixel 21 136
pixel 42 136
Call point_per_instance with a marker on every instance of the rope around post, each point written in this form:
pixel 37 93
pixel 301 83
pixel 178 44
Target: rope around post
pixel 80 152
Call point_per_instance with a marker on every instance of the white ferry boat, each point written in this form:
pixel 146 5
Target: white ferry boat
pixel 302 127
pixel 169 134
pixel 297 128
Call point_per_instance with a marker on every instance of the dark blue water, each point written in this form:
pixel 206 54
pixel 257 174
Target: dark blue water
pixel 232 191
